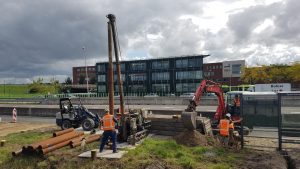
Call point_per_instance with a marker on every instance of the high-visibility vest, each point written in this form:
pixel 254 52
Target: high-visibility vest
pixel 231 125
pixel 108 122
pixel 224 127
pixel 237 102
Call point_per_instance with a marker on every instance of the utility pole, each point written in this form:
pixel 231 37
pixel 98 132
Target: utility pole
pixel 86 71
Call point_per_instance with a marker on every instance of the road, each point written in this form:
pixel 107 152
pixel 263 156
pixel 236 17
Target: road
pixel 29 119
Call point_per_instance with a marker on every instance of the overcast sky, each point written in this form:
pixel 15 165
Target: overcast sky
pixel 44 38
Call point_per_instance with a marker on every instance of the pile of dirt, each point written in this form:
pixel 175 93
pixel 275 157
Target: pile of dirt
pixel 191 138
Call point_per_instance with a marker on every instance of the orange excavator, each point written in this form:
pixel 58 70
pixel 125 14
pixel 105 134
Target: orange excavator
pixel 189 115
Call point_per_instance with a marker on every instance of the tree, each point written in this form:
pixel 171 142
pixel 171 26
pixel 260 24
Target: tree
pixel 277 73
pixel 68 81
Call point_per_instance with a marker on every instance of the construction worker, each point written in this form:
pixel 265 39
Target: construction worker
pixel 224 129
pixel 109 122
pixel 236 104
pixel 236 101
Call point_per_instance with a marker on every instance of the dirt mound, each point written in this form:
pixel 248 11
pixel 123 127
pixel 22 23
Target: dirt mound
pixel 191 138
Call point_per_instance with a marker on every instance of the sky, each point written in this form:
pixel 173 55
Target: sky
pixel 44 38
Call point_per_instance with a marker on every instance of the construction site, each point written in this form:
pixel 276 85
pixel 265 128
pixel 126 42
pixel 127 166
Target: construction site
pixel 233 130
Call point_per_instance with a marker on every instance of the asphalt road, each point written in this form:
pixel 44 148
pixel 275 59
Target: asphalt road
pixel 29 119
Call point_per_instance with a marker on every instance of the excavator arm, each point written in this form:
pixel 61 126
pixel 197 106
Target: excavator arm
pixel 206 86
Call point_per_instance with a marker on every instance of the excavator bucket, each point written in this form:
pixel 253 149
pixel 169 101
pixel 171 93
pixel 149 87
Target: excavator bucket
pixel 189 119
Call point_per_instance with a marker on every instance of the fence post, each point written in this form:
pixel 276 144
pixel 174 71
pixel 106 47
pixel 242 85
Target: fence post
pixel 242 123
pixel 279 122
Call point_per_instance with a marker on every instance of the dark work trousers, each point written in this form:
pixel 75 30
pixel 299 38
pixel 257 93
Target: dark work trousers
pixel 106 134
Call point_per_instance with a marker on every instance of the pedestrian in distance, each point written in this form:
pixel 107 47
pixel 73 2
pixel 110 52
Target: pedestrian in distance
pixel 109 122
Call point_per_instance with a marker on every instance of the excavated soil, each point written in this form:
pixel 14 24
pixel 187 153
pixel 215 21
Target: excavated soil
pixel 191 138
pixel 264 160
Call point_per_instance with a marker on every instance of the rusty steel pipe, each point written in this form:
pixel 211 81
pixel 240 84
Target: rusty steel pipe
pixel 58 133
pixel 94 138
pixel 55 147
pixel 55 140
pixel 110 72
pixel 16 153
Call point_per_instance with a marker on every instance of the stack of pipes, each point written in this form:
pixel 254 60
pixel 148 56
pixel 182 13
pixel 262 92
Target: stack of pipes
pixel 60 139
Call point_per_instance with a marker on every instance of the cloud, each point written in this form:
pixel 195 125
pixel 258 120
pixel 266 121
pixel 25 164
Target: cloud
pixel 45 37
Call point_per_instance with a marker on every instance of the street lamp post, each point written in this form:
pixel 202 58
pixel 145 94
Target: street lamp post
pixel 86 71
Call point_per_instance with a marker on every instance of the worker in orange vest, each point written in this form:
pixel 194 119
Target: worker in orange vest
pixel 236 101
pixel 236 104
pixel 225 126
pixel 109 122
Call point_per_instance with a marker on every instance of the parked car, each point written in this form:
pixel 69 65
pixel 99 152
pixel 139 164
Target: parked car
pixel 151 95
pixel 188 95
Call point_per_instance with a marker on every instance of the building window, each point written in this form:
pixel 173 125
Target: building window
pixel 101 78
pixel 138 66
pixel 137 88
pixel 78 69
pixel 191 62
pixel 116 77
pixel 101 68
pixel 182 63
pixel 138 77
pixel 161 76
pixel 189 75
pixel 160 87
pixel 236 69
pixel 186 87
pixel 160 64
pixel 116 89
pixel 101 88
pixel 122 67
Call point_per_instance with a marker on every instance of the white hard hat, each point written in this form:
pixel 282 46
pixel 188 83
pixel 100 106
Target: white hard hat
pixel 228 115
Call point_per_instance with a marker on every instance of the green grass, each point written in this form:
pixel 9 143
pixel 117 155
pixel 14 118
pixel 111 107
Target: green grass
pixel 21 91
pixel 155 152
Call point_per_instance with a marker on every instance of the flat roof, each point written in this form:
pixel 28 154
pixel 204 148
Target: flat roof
pixel 252 93
pixel 158 58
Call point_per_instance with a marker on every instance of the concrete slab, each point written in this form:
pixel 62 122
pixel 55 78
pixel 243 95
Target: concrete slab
pixel 105 154
pixel 125 145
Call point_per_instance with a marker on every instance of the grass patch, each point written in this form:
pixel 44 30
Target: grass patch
pixel 173 154
pixel 22 91
pixel 152 152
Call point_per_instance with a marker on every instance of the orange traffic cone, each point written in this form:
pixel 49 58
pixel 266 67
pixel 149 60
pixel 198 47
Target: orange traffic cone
pixel 14 115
